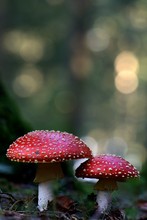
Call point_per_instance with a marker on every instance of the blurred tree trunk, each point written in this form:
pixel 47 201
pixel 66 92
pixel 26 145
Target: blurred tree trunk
pixel 78 54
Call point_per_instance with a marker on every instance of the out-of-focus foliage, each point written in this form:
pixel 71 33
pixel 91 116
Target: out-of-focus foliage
pixel 11 127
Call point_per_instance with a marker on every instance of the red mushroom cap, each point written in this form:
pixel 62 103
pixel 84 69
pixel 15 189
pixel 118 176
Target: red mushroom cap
pixel 107 166
pixel 47 146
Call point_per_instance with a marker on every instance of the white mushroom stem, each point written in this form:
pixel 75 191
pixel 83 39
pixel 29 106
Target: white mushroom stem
pixel 45 173
pixel 44 195
pixel 104 189
pixel 103 200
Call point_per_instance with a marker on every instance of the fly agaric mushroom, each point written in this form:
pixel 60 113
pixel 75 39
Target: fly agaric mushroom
pixel 47 149
pixel 109 169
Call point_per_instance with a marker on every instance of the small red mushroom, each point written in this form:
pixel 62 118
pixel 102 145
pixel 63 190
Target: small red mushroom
pixel 48 149
pixel 109 169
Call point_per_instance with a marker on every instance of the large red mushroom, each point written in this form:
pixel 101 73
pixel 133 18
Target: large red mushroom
pixel 109 169
pixel 48 149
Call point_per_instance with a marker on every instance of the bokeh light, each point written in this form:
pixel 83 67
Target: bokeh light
pixel 138 17
pixel 27 82
pixel 100 136
pixel 126 61
pixel 135 160
pixel 97 39
pixel 138 149
pixel 28 46
pixel 126 82
pixel 126 67
pixel 116 145
pixel 126 131
pixel 91 143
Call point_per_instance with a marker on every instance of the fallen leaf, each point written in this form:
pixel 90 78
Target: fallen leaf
pixel 65 203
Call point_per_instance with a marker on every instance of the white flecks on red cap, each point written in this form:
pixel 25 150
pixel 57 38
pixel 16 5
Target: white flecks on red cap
pixel 107 166
pixel 43 146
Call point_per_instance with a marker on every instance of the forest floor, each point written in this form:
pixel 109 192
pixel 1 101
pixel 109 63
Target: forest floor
pixel 73 201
